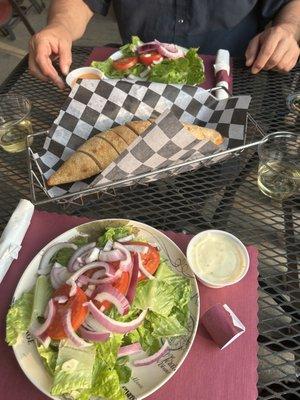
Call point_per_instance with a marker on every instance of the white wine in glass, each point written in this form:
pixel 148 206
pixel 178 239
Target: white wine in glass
pixel 15 122
pixel 278 180
pixel 13 137
pixel 279 165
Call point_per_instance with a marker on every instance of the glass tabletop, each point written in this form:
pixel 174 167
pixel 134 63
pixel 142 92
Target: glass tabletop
pixel 222 196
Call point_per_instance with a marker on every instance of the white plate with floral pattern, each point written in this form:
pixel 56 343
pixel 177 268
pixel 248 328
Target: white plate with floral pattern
pixel 145 380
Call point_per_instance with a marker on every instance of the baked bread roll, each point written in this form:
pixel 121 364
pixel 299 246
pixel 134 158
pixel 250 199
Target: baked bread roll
pixel 202 133
pixel 102 149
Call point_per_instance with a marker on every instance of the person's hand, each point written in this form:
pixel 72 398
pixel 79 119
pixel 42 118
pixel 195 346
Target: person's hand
pixel 50 43
pixel 275 48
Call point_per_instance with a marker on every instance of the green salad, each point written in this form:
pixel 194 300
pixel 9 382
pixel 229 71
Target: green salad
pixel 155 61
pixel 99 308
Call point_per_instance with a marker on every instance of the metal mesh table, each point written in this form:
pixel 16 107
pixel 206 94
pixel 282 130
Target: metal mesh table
pixel 223 196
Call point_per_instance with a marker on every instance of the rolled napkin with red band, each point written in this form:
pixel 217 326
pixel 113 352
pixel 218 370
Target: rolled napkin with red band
pixel 13 235
pixel 222 325
pixel 222 71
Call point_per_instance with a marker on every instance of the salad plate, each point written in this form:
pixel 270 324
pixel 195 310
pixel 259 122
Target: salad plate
pixel 145 378
pixel 154 61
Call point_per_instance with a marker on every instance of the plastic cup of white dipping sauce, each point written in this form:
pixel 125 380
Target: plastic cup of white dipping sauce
pixel 217 258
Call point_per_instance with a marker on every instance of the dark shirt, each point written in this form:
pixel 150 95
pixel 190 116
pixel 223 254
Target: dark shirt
pixel 207 24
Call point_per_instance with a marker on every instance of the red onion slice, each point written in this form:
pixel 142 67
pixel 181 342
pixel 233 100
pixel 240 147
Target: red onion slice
pixel 169 50
pixel 136 247
pixel 112 325
pixel 111 256
pixel 134 279
pixel 97 264
pixel 76 266
pixel 40 330
pixel 112 295
pixel 45 265
pixel 143 269
pixel 130 349
pixel 59 275
pixel 169 46
pixel 108 245
pixel 155 357
pixel 98 274
pixel 148 47
pixel 126 264
pixel 73 289
pixel 94 336
pixel 61 299
pixel 83 280
pixel 90 290
pixel 125 239
pixel 92 255
pixel 79 252
pixel 99 277
pixel 92 325
pixel 69 331
pixel 169 54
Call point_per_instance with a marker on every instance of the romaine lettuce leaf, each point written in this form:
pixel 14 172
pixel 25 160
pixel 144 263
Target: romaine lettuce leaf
pixel 136 70
pixel 129 49
pixel 195 74
pixel 123 371
pixel 108 70
pixel 115 233
pixel 63 256
pixel 106 385
pixel 107 351
pixel 74 368
pixel 149 343
pixel 106 381
pixel 161 294
pixel 185 70
pixel 154 328
pixel 18 317
pixel 80 240
pixel 164 327
pixel 167 299
pixel 155 295
pixel 49 357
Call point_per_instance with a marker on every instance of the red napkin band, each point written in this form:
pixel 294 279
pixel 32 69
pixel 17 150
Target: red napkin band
pixel 222 76
pixel 222 325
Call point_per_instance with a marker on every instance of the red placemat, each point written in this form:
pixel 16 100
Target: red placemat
pixel 207 373
pixel 102 53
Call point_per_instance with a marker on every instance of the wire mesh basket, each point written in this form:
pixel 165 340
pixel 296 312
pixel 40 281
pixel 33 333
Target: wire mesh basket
pixel 39 190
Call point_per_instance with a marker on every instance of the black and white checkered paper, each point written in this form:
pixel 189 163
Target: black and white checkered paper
pixel 94 106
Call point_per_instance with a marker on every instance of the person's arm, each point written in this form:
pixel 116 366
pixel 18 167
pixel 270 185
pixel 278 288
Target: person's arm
pixel 277 46
pixel 67 21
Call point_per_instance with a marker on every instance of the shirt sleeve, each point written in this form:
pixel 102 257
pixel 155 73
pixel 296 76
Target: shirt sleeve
pixel 98 6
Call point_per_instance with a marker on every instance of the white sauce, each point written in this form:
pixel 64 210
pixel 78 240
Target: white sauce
pixel 218 259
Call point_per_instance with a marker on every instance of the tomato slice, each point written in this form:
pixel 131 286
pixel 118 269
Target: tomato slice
pixel 78 314
pixel 148 58
pixel 122 285
pixel 125 63
pixel 150 260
